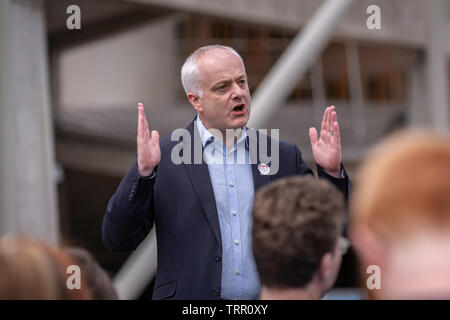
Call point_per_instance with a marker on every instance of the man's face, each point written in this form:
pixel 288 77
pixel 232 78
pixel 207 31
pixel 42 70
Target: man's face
pixel 226 98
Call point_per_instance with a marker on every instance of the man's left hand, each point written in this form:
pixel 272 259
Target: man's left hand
pixel 327 149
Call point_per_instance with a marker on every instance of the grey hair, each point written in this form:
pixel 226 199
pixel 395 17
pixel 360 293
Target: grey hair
pixel 190 75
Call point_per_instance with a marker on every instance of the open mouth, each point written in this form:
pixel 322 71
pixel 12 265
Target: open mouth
pixel 238 108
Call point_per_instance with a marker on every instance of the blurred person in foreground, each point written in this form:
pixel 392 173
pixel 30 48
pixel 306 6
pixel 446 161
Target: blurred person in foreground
pixel 97 281
pixel 33 270
pixel 401 217
pixel 297 237
pixel 202 211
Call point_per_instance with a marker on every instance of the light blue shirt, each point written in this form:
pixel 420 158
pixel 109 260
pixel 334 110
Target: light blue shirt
pixel 233 190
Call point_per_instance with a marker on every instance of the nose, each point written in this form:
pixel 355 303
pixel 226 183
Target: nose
pixel 237 92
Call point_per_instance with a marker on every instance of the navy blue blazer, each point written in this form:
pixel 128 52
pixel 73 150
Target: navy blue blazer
pixel 180 202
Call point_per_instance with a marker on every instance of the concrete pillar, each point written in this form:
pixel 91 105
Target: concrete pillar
pixel 27 188
pixel 437 71
pixel 356 92
pixel 301 53
pixel 418 112
pixel 319 98
pixel 137 272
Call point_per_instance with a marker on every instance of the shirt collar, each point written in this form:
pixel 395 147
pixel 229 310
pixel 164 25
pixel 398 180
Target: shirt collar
pixel 207 137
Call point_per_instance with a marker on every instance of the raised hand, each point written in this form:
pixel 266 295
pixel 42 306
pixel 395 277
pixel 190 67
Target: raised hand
pixel 148 151
pixel 327 149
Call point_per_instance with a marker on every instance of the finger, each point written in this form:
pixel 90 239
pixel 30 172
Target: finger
pixel 324 121
pixel 141 109
pixel 146 126
pixel 141 123
pixel 330 121
pixel 335 125
pixel 143 130
pixel 313 135
pixel 337 134
pixel 155 137
pixel 333 115
pixel 146 123
pixel 145 117
pixel 327 125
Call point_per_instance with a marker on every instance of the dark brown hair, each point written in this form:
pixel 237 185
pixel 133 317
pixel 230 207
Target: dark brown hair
pixel 296 221
pixel 97 281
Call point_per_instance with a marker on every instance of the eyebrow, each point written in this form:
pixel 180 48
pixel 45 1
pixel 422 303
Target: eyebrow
pixel 225 81
pixel 220 82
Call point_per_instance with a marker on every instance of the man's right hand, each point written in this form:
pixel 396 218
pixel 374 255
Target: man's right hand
pixel 148 151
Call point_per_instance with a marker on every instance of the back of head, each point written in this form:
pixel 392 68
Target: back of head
pixel 296 221
pixel 32 270
pixel 26 272
pixel 401 215
pixel 97 281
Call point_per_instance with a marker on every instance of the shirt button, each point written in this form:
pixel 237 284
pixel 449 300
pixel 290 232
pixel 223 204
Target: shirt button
pixel 236 242
pixel 231 184
pixel 234 213
pixel 238 271
pixel 216 291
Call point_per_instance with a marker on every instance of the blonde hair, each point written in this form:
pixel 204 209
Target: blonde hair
pixel 404 184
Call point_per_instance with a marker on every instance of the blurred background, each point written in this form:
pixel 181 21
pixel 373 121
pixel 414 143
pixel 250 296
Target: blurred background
pixel 68 99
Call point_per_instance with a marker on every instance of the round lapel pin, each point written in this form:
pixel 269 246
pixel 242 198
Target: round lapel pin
pixel 263 168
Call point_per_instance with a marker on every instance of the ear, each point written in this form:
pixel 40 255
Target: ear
pixel 327 265
pixel 328 270
pixel 194 99
pixel 368 246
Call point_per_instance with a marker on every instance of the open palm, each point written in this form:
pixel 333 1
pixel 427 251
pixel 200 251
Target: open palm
pixel 327 149
pixel 148 150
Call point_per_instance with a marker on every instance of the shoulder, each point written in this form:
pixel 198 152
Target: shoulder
pixel 176 136
pixel 166 142
pixel 283 145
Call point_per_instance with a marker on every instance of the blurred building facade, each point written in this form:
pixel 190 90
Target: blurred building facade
pixel 131 51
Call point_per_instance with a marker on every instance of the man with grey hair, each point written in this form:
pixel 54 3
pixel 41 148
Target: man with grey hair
pixel 190 76
pixel 202 212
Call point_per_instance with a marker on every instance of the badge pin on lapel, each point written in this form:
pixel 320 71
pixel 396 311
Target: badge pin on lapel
pixel 263 168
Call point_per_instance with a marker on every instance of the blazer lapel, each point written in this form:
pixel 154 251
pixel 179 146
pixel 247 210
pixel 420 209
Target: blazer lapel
pixel 201 182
